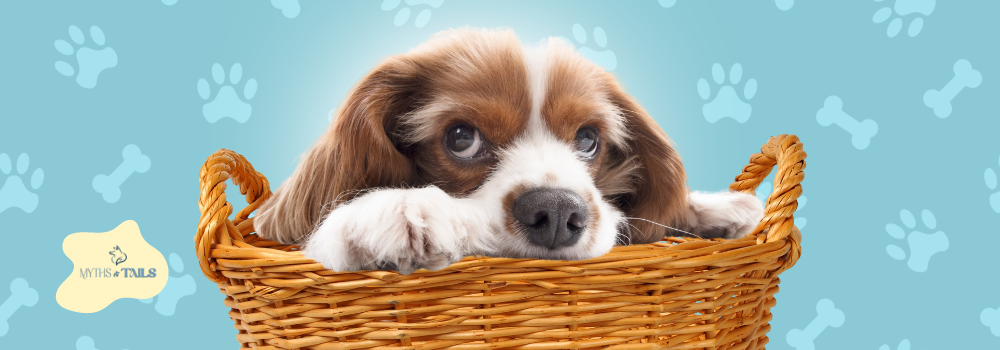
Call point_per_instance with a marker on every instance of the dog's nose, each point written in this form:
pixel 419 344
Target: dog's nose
pixel 552 218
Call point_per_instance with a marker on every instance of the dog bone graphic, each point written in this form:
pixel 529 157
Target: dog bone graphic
pixel 109 185
pixel 940 100
pixel 20 295
pixel 833 113
pixel 828 316
pixel 903 345
pixel 85 343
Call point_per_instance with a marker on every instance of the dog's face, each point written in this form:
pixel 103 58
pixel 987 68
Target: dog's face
pixel 543 140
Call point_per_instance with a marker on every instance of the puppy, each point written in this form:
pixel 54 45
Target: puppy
pixel 473 144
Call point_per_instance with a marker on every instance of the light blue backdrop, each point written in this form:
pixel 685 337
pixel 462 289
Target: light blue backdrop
pixel 861 250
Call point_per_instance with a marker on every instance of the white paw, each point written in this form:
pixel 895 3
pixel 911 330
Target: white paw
pixel 396 229
pixel 724 215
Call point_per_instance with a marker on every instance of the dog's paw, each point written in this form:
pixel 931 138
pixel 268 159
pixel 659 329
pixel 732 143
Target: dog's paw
pixel 723 215
pixel 400 229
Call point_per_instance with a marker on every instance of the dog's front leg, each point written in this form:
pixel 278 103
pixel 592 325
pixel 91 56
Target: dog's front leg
pixel 723 215
pixel 399 229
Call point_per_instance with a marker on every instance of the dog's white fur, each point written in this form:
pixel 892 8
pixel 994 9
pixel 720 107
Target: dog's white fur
pixel 426 227
pixel 729 212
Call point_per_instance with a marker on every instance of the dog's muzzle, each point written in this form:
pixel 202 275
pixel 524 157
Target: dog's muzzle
pixel 551 218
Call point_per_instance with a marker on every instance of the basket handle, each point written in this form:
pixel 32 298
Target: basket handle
pixel 786 152
pixel 214 225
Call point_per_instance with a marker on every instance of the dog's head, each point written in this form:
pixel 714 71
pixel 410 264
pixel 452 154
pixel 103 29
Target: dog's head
pixel 545 141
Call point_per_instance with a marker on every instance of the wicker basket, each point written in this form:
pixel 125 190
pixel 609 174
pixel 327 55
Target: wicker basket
pixel 678 294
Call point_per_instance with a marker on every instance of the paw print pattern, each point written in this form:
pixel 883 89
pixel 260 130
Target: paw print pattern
pixel 603 58
pixel 289 8
pixel 176 288
pixel 403 15
pixel 991 318
pixel 227 103
pixel 727 102
pixel 904 8
pixel 922 245
pixel 903 345
pixel 14 194
pixel 991 182
pixel 90 62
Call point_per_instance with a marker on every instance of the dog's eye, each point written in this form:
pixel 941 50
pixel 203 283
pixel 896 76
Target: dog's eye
pixel 586 142
pixel 464 141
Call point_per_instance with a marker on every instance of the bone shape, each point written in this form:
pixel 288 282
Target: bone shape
pixel 991 318
pixel 109 186
pixel 833 113
pixel 85 343
pixel 965 76
pixel 827 316
pixel 20 295
pixel 903 345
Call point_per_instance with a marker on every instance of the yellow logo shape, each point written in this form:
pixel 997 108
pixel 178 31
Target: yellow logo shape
pixel 108 266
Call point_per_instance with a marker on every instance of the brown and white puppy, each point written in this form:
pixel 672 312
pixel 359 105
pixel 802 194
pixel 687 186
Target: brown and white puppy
pixel 473 144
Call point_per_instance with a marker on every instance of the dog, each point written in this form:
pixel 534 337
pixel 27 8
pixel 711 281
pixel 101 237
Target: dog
pixel 473 144
pixel 118 256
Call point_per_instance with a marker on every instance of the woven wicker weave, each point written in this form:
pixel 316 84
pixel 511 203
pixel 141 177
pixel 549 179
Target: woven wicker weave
pixel 679 294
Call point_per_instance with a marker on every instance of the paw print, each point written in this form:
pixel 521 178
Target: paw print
pixel 991 318
pixel 903 8
pixel 14 193
pixel 764 190
pixel 922 245
pixel 604 58
pixel 903 345
pixel 403 15
pixel 991 182
pixel 289 8
pixel 90 61
pixel 176 288
pixel 227 103
pixel 727 103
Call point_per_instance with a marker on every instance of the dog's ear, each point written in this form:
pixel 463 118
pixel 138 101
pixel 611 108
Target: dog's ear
pixel 360 150
pixel 659 192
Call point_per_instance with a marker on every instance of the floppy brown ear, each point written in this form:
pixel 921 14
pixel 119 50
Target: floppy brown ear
pixel 659 192
pixel 359 151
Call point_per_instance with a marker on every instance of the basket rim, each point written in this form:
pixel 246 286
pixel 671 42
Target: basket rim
pixel 224 246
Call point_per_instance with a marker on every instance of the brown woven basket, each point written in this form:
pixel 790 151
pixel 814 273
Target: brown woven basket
pixel 679 294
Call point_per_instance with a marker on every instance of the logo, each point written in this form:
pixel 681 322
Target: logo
pixel 117 256
pixel 95 282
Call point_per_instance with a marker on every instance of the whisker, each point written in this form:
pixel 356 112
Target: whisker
pixel 627 238
pixel 662 225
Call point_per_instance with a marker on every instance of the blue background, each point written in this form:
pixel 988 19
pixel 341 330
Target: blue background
pixel 306 64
